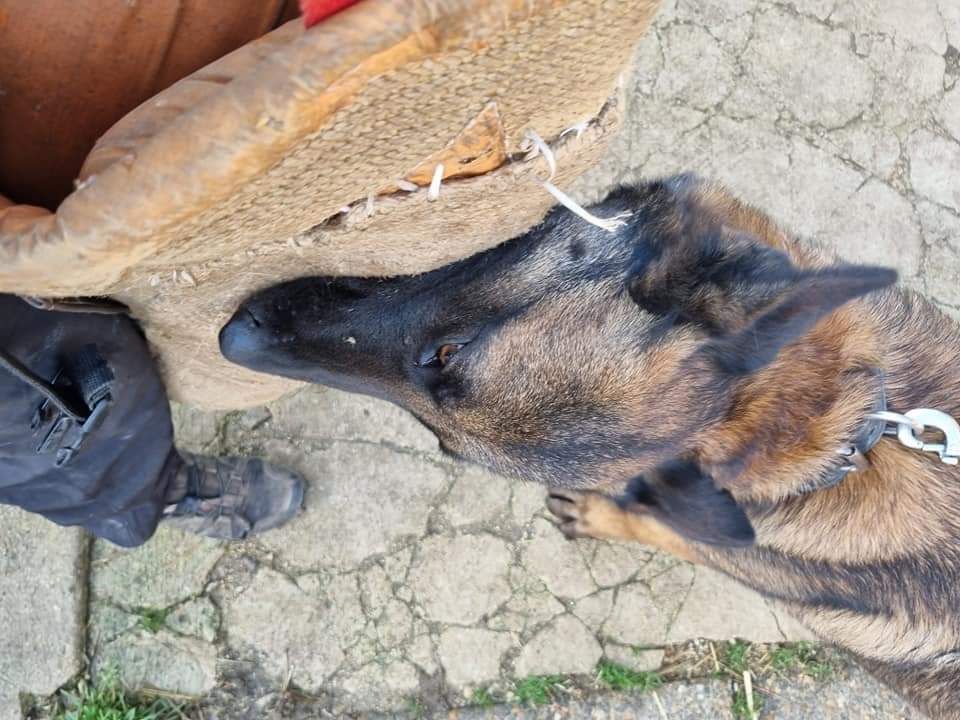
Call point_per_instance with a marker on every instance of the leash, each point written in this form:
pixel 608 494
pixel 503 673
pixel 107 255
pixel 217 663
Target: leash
pixel 908 426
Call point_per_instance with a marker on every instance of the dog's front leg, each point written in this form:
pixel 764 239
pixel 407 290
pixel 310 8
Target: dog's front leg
pixel 594 515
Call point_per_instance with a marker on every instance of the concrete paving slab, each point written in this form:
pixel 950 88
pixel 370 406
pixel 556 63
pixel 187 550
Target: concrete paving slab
pixel 42 607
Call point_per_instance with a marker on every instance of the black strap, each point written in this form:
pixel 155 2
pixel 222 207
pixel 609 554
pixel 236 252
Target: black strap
pixel 88 367
pixel 64 404
pixel 83 406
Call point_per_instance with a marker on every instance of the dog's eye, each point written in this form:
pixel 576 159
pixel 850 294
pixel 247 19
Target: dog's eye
pixel 446 352
pixel 442 356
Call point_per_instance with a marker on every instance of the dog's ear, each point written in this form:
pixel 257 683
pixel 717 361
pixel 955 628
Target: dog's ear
pixel 749 297
pixel 814 295
pixel 708 277
pixel 686 499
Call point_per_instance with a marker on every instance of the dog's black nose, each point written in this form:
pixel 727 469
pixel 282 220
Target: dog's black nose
pixel 241 339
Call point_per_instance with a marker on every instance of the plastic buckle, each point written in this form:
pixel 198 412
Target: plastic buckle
pixel 66 453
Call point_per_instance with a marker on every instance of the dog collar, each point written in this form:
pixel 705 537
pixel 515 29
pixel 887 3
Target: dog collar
pixel 852 456
pixel 906 427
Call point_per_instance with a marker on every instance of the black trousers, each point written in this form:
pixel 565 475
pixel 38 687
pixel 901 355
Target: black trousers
pixel 113 482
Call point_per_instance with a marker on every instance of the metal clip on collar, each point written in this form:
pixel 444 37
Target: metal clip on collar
pixel 908 426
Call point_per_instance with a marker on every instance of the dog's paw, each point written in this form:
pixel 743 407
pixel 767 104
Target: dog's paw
pixel 585 514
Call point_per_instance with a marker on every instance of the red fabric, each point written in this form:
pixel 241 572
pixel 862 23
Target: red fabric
pixel 316 10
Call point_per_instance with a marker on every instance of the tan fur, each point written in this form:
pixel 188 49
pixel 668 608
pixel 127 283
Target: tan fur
pixel 906 506
pixel 597 516
pixel 702 377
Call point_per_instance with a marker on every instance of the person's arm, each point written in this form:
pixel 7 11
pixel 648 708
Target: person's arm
pixel 14 216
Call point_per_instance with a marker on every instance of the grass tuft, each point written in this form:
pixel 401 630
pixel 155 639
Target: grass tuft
pixel 107 700
pixel 482 698
pixel 736 657
pixel 537 689
pixel 802 656
pixel 153 619
pixel 740 706
pixel 618 677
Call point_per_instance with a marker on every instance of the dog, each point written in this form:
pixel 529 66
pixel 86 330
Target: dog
pixel 697 380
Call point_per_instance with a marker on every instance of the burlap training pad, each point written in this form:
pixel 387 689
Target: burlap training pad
pixel 236 177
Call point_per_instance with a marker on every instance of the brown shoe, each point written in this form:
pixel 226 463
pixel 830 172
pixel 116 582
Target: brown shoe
pixel 231 498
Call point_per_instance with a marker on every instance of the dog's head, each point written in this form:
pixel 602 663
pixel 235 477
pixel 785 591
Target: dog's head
pixel 569 355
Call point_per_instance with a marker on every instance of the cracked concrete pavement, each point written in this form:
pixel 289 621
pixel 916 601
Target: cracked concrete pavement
pixel 408 575
pixel 841 118
pixel 413 577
